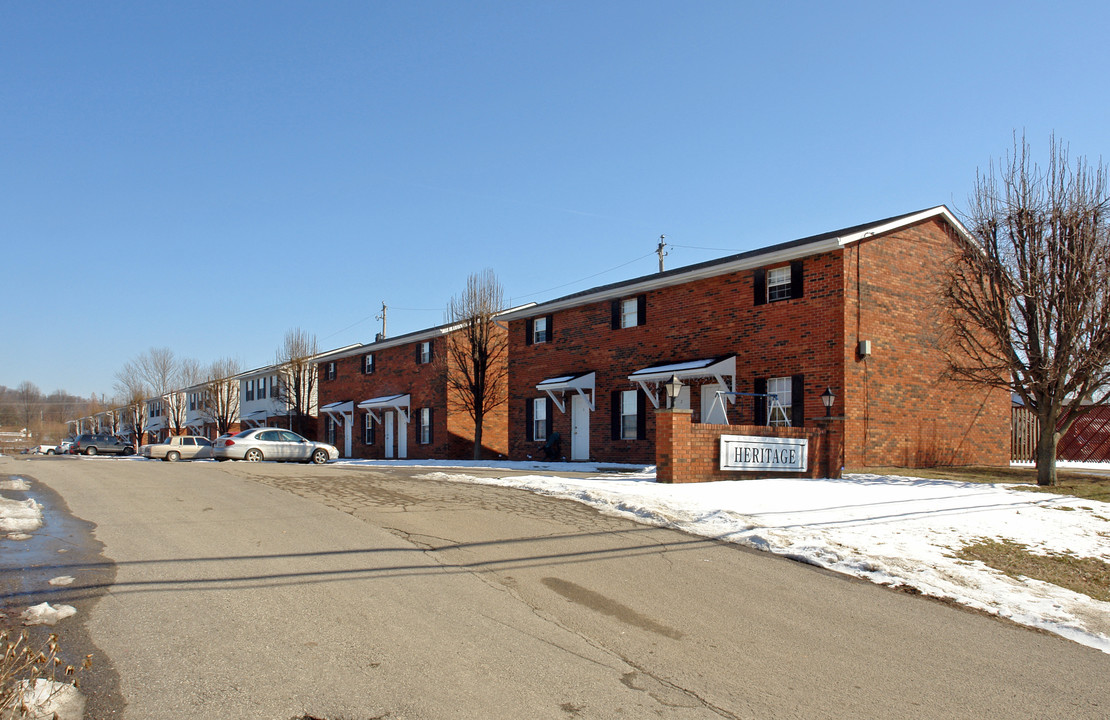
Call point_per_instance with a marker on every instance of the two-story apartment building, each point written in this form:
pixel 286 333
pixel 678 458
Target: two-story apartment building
pixel 390 399
pixel 756 338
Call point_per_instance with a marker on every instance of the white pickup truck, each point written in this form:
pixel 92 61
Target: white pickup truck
pixel 182 447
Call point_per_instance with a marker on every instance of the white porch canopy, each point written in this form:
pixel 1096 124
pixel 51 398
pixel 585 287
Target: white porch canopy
pixel 340 411
pixel 195 423
pixel 400 403
pixel 721 369
pixel 582 384
pixel 154 424
pixel 258 417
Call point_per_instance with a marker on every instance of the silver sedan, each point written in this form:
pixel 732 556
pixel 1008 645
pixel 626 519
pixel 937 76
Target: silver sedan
pixel 258 444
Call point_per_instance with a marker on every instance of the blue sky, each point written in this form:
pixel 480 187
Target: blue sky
pixel 206 176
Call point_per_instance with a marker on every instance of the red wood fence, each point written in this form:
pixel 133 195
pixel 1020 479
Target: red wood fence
pixel 1087 440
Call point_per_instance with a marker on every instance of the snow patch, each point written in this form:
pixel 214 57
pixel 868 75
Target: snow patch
pixel 19 516
pixel 47 614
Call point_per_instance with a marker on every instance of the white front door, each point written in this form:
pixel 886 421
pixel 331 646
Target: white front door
pixel 402 435
pixel 348 428
pixel 387 423
pixel 579 428
pixel 712 407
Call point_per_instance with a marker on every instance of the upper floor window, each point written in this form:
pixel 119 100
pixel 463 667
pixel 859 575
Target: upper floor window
pixel 262 388
pixel 778 283
pixel 249 394
pixel 629 312
pixel 329 371
pixel 368 364
pixel 424 352
pixel 539 330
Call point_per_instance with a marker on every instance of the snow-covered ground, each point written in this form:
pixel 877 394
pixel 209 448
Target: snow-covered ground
pixel 898 531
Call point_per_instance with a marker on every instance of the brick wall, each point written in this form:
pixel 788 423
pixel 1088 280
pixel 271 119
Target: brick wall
pixel 396 372
pixel 695 320
pixel 900 409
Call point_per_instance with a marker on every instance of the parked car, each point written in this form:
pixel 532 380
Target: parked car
pixel 182 447
pixel 259 444
pixel 63 447
pixel 89 444
pixel 41 450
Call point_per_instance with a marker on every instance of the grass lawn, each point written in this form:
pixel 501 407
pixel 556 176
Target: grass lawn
pixel 1069 482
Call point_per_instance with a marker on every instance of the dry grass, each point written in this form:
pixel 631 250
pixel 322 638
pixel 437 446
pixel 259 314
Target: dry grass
pixel 23 662
pixel 1070 482
pixel 1089 576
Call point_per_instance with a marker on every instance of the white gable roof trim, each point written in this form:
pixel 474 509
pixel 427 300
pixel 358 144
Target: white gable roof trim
pixel 793 250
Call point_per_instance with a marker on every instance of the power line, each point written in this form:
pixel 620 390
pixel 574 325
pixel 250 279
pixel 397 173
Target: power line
pixel 589 277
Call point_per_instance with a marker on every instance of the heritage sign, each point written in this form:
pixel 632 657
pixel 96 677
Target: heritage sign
pixel 747 452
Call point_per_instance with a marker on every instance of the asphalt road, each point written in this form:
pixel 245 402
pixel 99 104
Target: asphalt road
pixel 270 591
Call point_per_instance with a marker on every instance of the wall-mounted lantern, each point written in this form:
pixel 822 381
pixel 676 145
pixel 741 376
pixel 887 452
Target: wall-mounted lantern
pixel 827 399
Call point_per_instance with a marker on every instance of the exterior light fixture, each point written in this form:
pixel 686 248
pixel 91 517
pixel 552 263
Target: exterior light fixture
pixel 827 399
pixel 673 388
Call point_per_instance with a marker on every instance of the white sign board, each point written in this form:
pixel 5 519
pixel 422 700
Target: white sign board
pixel 747 452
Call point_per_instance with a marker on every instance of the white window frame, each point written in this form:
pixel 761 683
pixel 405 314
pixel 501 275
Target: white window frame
pixel 425 352
pixel 779 284
pixel 424 418
pixel 630 312
pixel 539 331
pixel 778 413
pixel 260 390
pixel 329 370
pixel 539 418
pixel 629 416
pixel 367 427
pixel 368 364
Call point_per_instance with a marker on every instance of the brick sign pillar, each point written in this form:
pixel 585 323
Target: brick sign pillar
pixel 685 452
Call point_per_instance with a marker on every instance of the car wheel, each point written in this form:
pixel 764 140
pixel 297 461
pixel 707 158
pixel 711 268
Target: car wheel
pixel 253 455
pixel 91 450
pixel 319 456
pixel 129 451
pixel 173 456
pixel 49 452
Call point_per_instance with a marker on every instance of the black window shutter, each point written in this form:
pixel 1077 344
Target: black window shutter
pixel 550 417
pixel 616 314
pixel 431 425
pixel 641 310
pixel 641 415
pixel 550 329
pixel 798 401
pixel 759 404
pixel 796 279
pixel 529 417
pixel 418 346
pixel 529 330
pixel 759 280
pixel 615 408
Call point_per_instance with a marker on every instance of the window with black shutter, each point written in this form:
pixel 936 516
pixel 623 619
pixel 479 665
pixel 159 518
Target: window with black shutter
pixel 797 396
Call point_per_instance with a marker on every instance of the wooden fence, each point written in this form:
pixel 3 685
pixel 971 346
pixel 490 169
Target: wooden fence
pixel 1087 440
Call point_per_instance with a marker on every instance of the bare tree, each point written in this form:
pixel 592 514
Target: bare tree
pixel 474 362
pixel 221 394
pixel 1029 297
pixel 29 402
pixel 133 391
pixel 297 376
pixel 188 373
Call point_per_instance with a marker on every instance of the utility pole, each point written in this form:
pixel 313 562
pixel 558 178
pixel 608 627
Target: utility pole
pixel 381 335
pixel 659 251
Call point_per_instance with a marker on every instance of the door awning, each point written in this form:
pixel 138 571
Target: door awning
pixel 400 403
pixel 340 411
pixel 582 383
pixel 195 422
pixel 154 424
pixel 722 369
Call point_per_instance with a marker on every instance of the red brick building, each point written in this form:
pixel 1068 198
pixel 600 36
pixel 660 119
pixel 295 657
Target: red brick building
pixel 854 310
pixel 390 399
